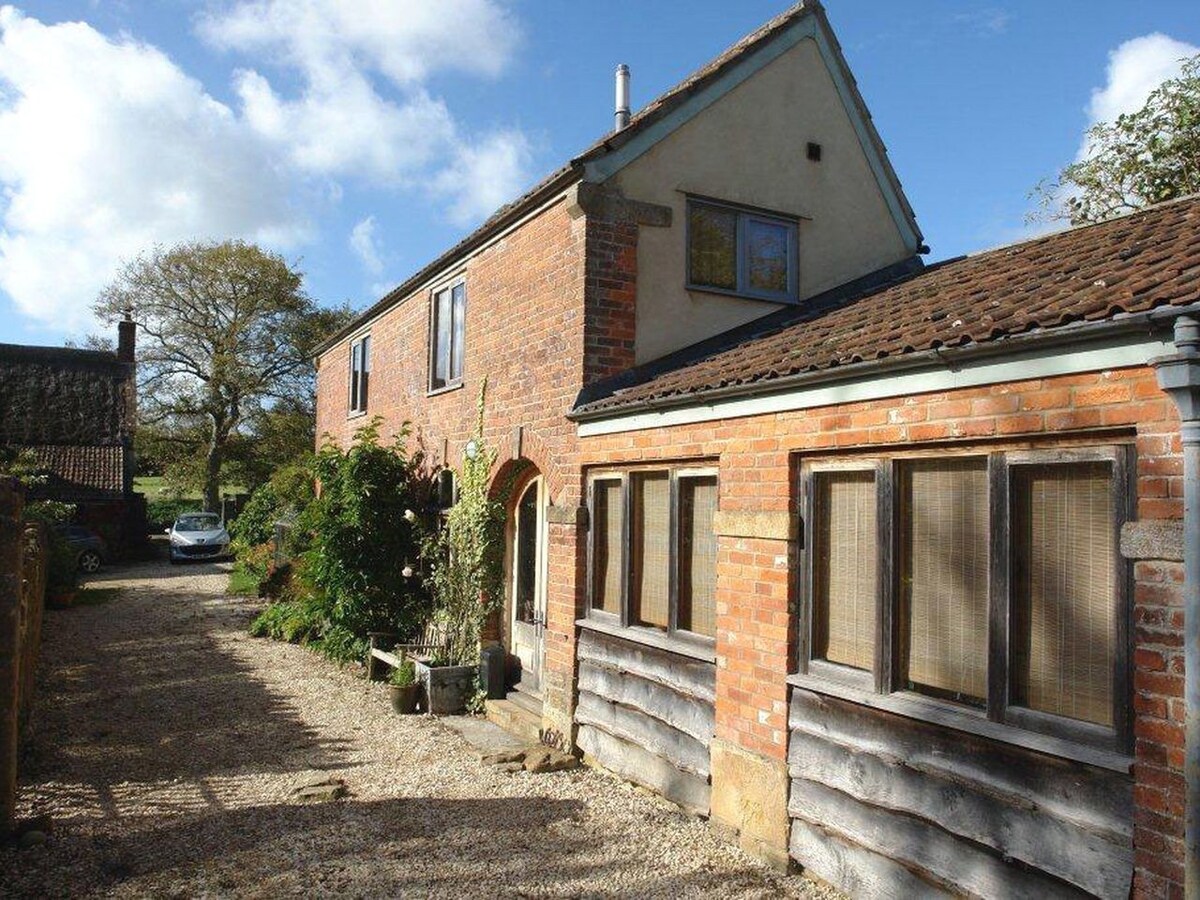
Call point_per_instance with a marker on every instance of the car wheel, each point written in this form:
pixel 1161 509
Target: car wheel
pixel 89 561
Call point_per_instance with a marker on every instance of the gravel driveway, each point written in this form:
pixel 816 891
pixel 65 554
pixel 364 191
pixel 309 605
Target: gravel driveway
pixel 167 744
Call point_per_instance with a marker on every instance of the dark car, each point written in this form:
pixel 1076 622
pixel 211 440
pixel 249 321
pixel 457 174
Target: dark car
pixel 89 548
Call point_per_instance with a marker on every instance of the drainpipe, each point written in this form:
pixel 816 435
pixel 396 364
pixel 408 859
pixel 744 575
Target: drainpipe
pixel 1179 377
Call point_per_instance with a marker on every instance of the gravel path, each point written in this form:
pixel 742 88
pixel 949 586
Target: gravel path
pixel 167 743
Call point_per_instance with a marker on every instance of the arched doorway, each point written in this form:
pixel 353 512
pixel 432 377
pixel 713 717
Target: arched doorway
pixel 527 582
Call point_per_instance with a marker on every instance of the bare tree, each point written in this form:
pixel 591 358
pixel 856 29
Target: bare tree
pixel 226 331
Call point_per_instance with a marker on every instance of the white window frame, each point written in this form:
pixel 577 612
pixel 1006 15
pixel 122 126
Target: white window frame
pixel 359 385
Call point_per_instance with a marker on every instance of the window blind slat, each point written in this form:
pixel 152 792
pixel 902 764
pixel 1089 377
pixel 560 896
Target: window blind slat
pixel 651 540
pixel 608 561
pixel 944 576
pixel 1064 572
pixel 697 555
pixel 844 568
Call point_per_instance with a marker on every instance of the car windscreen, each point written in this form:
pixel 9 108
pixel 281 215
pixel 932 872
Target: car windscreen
pixel 197 523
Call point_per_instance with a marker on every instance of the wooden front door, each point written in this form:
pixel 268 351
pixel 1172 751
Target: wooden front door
pixel 529 540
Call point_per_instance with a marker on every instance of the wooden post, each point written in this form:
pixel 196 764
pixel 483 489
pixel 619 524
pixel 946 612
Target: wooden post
pixel 11 535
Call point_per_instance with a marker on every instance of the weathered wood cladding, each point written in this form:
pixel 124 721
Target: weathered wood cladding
pixel 647 714
pixel 889 806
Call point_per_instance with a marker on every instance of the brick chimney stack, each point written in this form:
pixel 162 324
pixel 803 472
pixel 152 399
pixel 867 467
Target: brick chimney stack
pixel 126 337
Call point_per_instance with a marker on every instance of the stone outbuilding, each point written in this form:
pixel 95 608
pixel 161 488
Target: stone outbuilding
pixel 74 410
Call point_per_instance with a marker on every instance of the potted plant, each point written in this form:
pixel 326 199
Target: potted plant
pixel 403 687
pixel 445 686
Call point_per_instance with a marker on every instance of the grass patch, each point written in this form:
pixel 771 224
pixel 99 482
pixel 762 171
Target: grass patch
pixel 242 582
pixel 95 596
pixel 155 487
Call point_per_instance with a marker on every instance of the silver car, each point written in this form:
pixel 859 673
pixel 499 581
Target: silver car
pixel 198 536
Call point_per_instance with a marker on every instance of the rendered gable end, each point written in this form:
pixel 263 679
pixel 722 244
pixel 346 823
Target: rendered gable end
pixel 746 144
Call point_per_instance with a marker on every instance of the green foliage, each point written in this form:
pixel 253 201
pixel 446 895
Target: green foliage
pixel 242 581
pixel 62 566
pixel 476 703
pixel 162 512
pixel 404 674
pixel 284 495
pixel 361 538
pixel 304 621
pixel 227 334
pixel 466 556
pixel 1142 158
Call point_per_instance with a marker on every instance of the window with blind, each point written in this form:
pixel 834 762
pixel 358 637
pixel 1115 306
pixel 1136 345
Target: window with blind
pixel 652 551
pixel 447 334
pixel 989 582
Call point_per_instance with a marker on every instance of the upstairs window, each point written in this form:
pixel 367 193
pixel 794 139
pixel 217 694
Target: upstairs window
pixel 741 251
pixel 446 336
pixel 360 374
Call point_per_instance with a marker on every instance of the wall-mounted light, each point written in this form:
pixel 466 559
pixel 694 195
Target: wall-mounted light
pixel 472 449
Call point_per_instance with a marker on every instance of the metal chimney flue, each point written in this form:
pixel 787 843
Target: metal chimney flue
pixel 622 115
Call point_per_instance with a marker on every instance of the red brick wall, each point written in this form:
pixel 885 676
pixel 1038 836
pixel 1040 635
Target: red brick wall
pixel 756 626
pixel 612 298
pixel 549 307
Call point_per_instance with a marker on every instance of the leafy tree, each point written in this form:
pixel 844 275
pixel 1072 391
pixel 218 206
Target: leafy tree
pixel 1142 158
pixel 227 332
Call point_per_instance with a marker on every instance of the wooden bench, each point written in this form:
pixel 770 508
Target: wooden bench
pixel 380 660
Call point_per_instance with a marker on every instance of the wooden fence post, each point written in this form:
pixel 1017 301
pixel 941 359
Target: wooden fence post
pixel 11 539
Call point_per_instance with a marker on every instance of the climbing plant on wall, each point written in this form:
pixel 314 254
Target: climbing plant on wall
pixel 466 555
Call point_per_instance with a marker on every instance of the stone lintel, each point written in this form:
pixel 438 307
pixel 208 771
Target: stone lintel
pixel 608 204
pixel 1153 539
pixel 567 515
pixel 771 526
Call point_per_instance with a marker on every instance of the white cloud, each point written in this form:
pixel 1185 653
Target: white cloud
pixel 989 21
pixel 484 176
pixel 365 245
pixel 106 148
pixel 363 108
pixel 1135 69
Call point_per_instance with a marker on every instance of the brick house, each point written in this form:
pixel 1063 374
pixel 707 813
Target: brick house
pixel 74 410
pixel 874 563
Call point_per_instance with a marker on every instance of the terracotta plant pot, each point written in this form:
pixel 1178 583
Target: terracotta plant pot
pixel 404 698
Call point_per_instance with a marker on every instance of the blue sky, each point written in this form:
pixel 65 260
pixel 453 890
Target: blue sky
pixel 363 139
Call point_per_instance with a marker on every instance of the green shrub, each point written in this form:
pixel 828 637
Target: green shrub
pixel 287 493
pixel 404 674
pixel 162 512
pixel 362 534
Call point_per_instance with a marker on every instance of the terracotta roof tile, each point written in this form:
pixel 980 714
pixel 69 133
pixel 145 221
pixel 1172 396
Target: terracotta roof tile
pixel 1132 264
pixel 80 471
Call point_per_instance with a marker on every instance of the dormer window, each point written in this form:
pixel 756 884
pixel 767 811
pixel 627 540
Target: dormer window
pixel 360 373
pixel 734 250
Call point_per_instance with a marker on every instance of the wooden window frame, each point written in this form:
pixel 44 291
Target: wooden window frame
pixel 886 679
pixel 745 214
pixel 451 383
pixel 358 393
pixel 623 621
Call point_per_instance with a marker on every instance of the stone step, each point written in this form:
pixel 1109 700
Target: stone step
pixel 516 715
